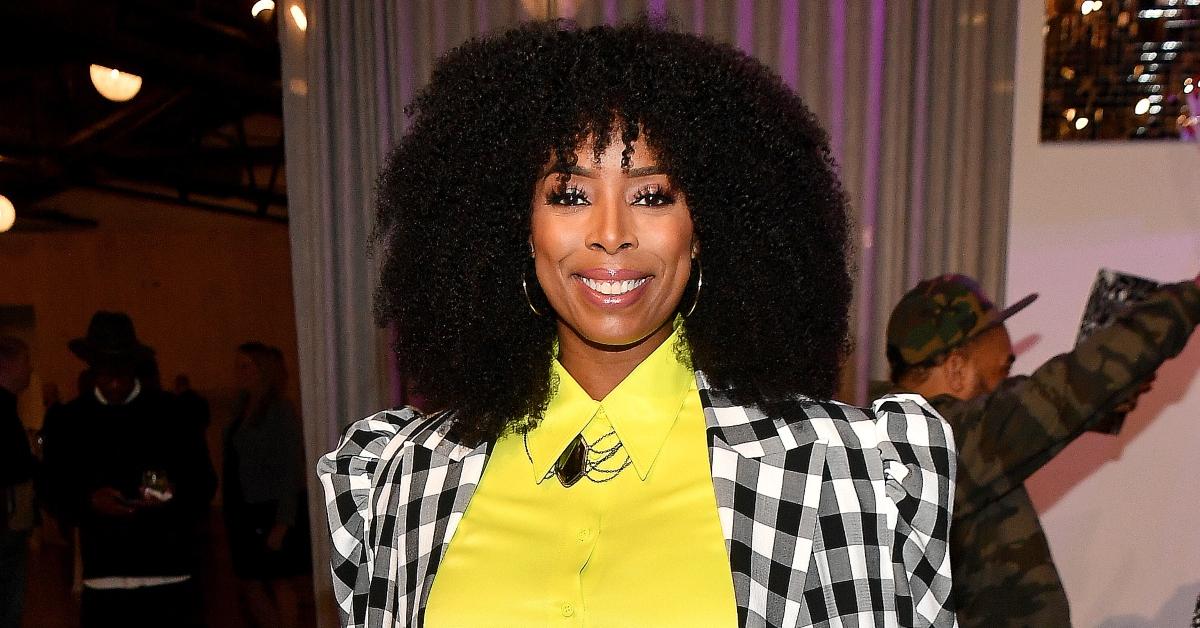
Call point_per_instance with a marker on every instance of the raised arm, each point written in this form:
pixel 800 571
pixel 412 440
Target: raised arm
pixel 1006 436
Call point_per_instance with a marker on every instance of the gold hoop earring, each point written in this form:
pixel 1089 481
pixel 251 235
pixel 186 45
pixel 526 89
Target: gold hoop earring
pixel 528 301
pixel 699 283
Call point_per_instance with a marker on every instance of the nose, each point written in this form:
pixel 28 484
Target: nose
pixel 612 228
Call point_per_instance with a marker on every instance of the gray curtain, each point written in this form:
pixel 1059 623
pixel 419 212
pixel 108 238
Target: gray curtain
pixel 916 96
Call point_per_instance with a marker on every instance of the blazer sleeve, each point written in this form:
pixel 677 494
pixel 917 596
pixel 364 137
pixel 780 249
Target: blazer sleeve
pixel 919 463
pixel 348 477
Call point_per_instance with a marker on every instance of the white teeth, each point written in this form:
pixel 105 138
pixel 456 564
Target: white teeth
pixel 613 287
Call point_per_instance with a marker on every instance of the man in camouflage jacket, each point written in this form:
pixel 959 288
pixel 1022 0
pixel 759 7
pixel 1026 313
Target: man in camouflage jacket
pixel 948 342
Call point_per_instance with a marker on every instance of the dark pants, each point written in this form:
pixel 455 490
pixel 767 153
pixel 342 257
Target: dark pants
pixel 14 555
pixel 144 607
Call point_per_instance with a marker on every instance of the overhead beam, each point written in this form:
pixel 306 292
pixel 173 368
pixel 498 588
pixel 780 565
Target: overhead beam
pixel 188 201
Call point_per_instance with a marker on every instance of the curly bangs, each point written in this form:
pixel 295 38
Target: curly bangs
pixel 455 197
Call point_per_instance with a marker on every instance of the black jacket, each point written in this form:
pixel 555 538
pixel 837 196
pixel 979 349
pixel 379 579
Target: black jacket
pixel 92 445
pixel 16 461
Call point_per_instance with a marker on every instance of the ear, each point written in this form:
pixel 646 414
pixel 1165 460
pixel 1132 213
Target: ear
pixel 532 254
pixel 695 248
pixel 955 370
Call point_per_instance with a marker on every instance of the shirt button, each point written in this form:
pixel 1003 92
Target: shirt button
pixel 584 535
pixel 568 610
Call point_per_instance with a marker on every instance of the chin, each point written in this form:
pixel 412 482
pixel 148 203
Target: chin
pixel 617 334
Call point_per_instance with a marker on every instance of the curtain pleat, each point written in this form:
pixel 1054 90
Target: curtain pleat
pixel 916 96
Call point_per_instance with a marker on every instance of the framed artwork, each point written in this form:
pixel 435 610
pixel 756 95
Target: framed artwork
pixel 1120 70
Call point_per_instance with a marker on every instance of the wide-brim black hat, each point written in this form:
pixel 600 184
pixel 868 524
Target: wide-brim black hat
pixel 110 339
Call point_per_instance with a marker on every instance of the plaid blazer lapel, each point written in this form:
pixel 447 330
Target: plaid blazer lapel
pixel 768 481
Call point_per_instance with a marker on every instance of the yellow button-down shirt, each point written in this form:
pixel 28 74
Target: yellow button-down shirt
pixel 641 547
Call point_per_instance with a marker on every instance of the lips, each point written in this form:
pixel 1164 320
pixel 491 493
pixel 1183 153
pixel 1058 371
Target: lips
pixel 612 274
pixel 611 287
pixel 614 288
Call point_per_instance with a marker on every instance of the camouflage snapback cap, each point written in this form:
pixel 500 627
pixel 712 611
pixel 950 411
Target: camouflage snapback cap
pixel 942 313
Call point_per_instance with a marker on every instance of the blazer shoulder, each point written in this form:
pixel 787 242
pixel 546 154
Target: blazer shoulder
pixel 831 422
pixel 383 433
pixel 903 417
pixel 909 418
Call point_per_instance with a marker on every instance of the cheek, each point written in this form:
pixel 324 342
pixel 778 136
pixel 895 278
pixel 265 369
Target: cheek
pixel 676 246
pixel 552 236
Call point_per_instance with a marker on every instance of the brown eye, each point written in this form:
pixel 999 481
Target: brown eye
pixel 570 196
pixel 653 196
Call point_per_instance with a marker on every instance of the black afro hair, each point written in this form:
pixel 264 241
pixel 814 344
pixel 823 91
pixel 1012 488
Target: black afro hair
pixel 454 209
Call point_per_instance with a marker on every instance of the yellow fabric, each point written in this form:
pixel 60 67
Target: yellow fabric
pixel 642 549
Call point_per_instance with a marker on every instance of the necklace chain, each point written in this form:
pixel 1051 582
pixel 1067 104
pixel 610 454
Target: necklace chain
pixel 595 455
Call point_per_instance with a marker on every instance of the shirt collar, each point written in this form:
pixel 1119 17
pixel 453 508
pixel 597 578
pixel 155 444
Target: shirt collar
pixel 137 390
pixel 642 409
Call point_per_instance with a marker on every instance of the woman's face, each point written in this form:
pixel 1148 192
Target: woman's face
pixel 248 374
pixel 612 247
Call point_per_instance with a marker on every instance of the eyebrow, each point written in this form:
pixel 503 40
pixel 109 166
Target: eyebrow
pixel 646 171
pixel 576 170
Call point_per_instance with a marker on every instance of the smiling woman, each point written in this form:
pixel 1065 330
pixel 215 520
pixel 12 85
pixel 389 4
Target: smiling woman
pixel 615 261
pixel 613 248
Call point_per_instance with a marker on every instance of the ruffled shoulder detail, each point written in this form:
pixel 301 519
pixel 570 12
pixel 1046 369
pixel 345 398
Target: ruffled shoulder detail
pixel 916 446
pixel 348 475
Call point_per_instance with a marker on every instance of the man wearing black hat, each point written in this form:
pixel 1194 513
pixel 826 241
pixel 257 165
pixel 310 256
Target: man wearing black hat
pixel 135 480
pixel 947 342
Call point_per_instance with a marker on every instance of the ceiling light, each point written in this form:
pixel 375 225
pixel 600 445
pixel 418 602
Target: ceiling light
pixel 1080 123
pixel 1142 106
pixel 260 6
pixel 298 17
pixel 8 214
pixel 114 84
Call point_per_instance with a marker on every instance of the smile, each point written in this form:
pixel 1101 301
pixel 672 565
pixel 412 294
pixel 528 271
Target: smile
pixel 613 288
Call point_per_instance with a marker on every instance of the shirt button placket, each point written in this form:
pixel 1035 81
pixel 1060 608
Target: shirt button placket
pixel 585 539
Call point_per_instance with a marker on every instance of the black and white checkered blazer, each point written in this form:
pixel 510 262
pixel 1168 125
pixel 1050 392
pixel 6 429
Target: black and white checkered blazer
pixel 839 519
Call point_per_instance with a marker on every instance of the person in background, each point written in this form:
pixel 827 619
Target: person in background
pixel 50 395
pixel 263 490
pixel 135 482
pixel 194 407
pixel 947 342
pixel 16 481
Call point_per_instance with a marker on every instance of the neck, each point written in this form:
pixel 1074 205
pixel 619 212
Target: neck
pixel 932 387
pixel 600 368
